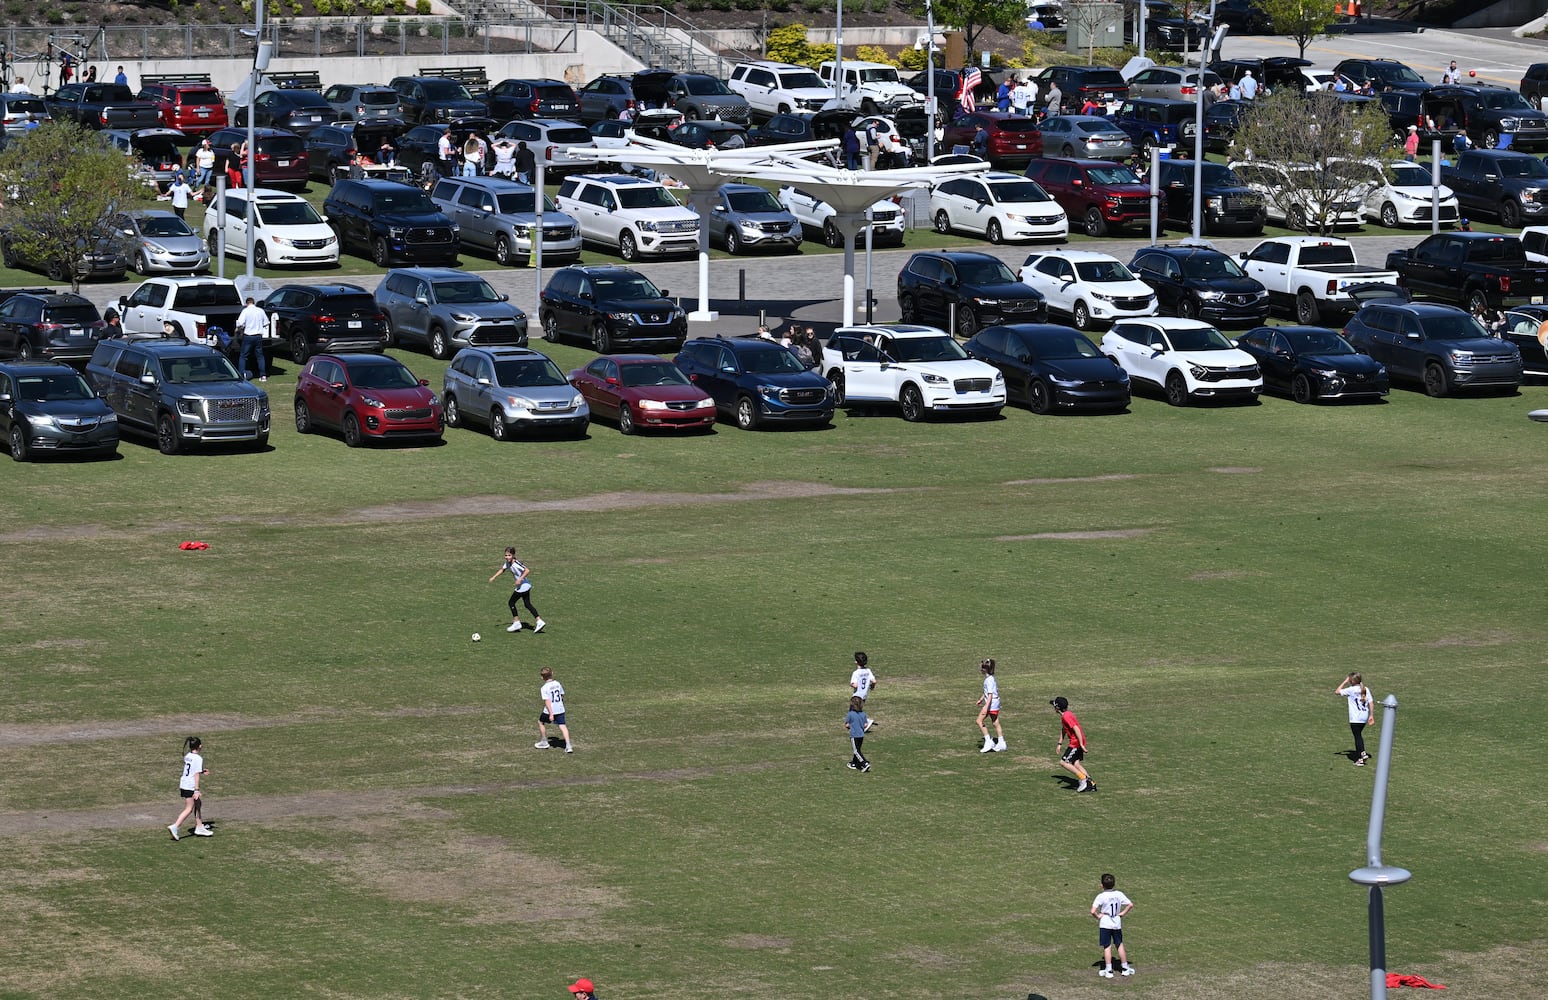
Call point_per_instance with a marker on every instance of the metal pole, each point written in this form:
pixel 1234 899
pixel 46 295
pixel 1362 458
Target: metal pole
pixel 220 225
pixel 1376 874
pixel 1198 129
pixel 869 220
pixel 1155 192
pixel 1435 186
pixel 1140 41
pixel 838 58
pixel 537 233
pixel 930 108
pixel 250 174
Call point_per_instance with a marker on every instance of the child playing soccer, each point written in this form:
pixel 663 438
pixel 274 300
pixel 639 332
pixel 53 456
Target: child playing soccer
pixel 1109 908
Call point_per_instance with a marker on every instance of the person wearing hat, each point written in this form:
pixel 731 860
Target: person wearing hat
pixel 583 989
pixel 1411 144
pixel 1075 752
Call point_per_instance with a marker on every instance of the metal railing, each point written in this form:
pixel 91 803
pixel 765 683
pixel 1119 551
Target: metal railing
pixel 652 34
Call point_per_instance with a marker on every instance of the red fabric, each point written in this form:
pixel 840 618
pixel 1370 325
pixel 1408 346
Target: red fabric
pixel 1397 979
pixel 1072 731
pixel 194 546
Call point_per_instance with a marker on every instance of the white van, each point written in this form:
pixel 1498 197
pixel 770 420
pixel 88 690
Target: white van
pixel 286 228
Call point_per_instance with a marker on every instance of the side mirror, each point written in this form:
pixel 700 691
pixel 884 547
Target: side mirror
pixel 728 369
pixel 1412 336
pixel 483 381
pixel 424 381
pixel 1177 278
pixel 336 386
pixel 422 299
pixel 504 297
pixel 665 294
pixel 486 207
pixel 147 379
pixel 612 380
pixel 5 397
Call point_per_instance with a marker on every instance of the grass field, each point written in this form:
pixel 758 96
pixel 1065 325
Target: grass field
pixel 1195 582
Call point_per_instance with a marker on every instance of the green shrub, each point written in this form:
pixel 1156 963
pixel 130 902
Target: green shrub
pixel 323 7
pixel 874 53
pixel 816 6
pixel 748 4
pixel 913 59
pixel 787 43
pixel 422 6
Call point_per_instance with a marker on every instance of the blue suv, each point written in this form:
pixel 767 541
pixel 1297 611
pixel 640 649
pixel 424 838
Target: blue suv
pixel 1155 121
pixel 754 380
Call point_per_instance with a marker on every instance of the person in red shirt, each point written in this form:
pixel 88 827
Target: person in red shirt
pixel 1070 733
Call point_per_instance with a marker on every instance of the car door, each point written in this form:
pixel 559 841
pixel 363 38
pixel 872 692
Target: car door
pixel 145 308
pixel 138 398
pixel 601 387
pixel 10 325
pixel 477 223
pixel 1162 274
pixel 1015 361
pixel 1129 345
pixel 1058 286
pixel 861 367
pixel 1269 262
pixel 1430 267
pixel 1408 348
pixel 416 311
pixel 234 229
pixel 328 398
pixel 1277 361
pixel 718 377
pixel 1385 329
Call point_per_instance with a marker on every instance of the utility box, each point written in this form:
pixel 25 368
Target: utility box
pixel 1093 24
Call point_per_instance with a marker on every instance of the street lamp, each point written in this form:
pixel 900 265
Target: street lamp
pixel 262 53
pixel 1216 36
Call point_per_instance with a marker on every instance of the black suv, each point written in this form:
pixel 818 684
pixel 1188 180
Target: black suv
pixel 1383 73
pixel 1166 27
pixel 609 306
pixel 326 319
pixel 46 406
pixel 1485 114
pixel 298 111
pixel 1201 283
pixel 1103 84
pixel 753 381
pixel 42 323
pixel 1534 83
pixel 1229 205
pixel 984 291
pixel 435 99
pixel 1442 347
pixel 510 99
pixel 395 223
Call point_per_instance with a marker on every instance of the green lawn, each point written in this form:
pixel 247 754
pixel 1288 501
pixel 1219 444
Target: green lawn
pixel 1195 581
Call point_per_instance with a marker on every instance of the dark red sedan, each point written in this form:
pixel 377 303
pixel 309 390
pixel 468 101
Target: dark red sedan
pixel 367 397
pixel 1013 139
pixel 643 390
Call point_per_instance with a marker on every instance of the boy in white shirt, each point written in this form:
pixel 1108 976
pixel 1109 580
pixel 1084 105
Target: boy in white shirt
pixel 552 693
pixel 861 682
pixel 1109 908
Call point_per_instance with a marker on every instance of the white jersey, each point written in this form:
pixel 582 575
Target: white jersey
pixel 1108 905
pixel 521 576
pixel 862 680
pixel 193 765
pixel 1359 703
pixel 553 694
pixel 991 693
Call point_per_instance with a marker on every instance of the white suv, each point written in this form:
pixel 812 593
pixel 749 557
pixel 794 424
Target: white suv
pixel 1185 358
pixel 776 88
pixel 639 217
pixel 871 87
pixel 921 369
pixel 1085 286
pixel 815 214
pixel 286 229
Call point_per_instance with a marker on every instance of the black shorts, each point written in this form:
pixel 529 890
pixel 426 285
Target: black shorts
pixel 1107 937
pixel 187 793
pixel 1074 755
pixel 546 719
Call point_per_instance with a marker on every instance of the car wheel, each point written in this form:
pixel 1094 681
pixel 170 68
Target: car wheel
pixel 943 223
pixel 1301 389
pixel 260 253
pixel 601 339
pixel 993 233
pixel 733 245
pixel 1176 389
pixel 452 411
pixel 784 109
pixel 628 247
pixel 837 378
pixel 167 441
pixel 625 418
pixel 1389 216
pixel 1038 400
pixel 868 106
pixel 1068 151
pixel 551 328
pixel 1296 219
pixel 19 451
pixel 298 351
pixel 1187 307
pixel 353 436
pixel 1095 224
pixel 907 310
pixel 1477 301
pixel 379 255
pixel 830 234
pixel 141 263
pixel 1435 381
pixel 303 417
pixel 1081 315
pixel 24 350
pixel 440 346
pixel 967 321
pixel 746 413
pixel 498 428
pixel 1307 312
pixel 503 250
pixel 1510 213
pixel 911 403
pixel 56 271
pixel 389 335
pixel 1491 139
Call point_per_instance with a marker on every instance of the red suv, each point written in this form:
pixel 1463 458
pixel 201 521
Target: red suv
pixel 1012 138
pixel 368 397
pixel 191 108
pixel 282 157
pixel 1097 194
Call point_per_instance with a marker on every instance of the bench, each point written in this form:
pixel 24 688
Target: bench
pixel 152 79
pixel 475 78
pixel 295 80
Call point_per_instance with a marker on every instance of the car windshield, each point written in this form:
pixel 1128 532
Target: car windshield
pixel 1112 175
pixel 1198 338
pixel 409 199
pixel 1102 270
pixel 879 74
pixel 705 86
pixel 521 203
pixel 42 388
pixel 1018 191
pixel 1402 74
pixel 919 349
pixel 792 81
pixel 752 201
pixel 527 373
pixel 1214 265
pixel 1319 342
pixel 1220 175
pixel 1410 175
pixel 1507 100
pixel 646 196
pixel 170 225
pixel 382 375
pixel 652 373
pixel 210 367
pixel 288 213
pixel 771 362
pixel 208 295
pixel 984 272
pixel 1521 166
pixel 465 290
pixel 635 287
pixel 1452 326
pixel 1057 345
pixel 446 90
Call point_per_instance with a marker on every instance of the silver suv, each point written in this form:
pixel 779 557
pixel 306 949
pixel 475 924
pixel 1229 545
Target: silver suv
pixel 183 393
pixel 511 389
pixel 444 309
pixel 499 215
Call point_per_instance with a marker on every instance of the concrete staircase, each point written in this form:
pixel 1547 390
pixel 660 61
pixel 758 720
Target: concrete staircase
pixel 653 35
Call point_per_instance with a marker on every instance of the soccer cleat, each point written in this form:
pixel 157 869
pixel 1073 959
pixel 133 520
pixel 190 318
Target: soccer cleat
pixel 1084 784
pixel 539 626
pixel 203 830
pixel 514 627
pixel 988 747
pixel 1128 970
pixel 866 766
pixel 569 748
pixel 999 747
pixel 540 745
pixel 1105 973
pixel 173 829
pixel 1360 762
pixel 851 765
pixel 1091 786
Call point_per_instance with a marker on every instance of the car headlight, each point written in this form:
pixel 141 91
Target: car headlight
pixel 1211 294
pixel 704 404
pixel 933 379
pixel 108 418
pixel 373 402
pixel 465 317
pixel 999 378
pixel 1215 204
pixel 188 406
pixel 330 240
pixel 456 229
pixel 576 400
pixel 647 226
pixel 750 228
pixel 1509 124
pixel 652 404
pixel 396 232
pixel 1012 217
pixel 42 420
pixel 769 391
pixel 282 241
pixel 1460 357
pixel 1324 372
pixel 985 302
pixel 619 317
pixel 1068 383
pixel 1197 371
pixel 521 402
pixel 1261 293
pixel 522 231
pixel 1102 297
pixel 155 247
pixel 1123 375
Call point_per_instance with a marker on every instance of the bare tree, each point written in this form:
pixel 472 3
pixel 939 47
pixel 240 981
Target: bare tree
pixel 1089 17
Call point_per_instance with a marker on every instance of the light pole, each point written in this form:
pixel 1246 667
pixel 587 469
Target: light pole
pixel 1212 42
pixel 930 108
pixel 262 53
pixel 838 55
pixel 1375 874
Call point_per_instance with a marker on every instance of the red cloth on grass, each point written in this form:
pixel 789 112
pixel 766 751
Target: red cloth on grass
pixel 194 546
pixel 1396 979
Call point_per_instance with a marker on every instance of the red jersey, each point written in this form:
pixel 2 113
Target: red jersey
pixel 1072 731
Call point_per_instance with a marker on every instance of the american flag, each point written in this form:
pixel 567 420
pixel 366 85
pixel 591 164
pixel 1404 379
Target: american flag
pixel 970 81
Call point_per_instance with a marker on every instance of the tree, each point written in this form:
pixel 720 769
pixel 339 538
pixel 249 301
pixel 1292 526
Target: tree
pixel 1318 137
pixel 61 184
pixel 1302 20
pixel 975 17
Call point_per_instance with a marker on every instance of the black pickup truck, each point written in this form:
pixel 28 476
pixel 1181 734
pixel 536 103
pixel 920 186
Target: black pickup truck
pixel 102 106
pixel 1471 268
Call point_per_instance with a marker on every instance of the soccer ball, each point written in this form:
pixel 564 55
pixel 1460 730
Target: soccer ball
pixel 1472 72
pixel 476 637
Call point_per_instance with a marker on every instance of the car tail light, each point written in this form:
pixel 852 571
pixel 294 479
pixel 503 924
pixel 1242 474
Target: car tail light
pixel 47 329
pixel 199 330
pixel 548 152
pixel 533 107
pixel 381 317
pixel 263 157
pixel 1332 287
pixel 1505 283
pixel 103 116
pixel 323 318
pixel 1187 91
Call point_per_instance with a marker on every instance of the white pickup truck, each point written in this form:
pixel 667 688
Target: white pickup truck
pixel 1311 275
pixel 191 303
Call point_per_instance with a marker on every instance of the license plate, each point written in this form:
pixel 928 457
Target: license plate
pixel 202 114
pixel 1021 145
pixel 354 324
pixel 1107 97
pixel 284 163
pixel 1537 300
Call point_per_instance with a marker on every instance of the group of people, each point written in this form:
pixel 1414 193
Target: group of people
pixel 469 154
pixel 801 341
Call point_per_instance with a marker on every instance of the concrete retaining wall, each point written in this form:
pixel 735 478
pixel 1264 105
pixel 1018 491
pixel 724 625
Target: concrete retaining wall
pixel 1503 14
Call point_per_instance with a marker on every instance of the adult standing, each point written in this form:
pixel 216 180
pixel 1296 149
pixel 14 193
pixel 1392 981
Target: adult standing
pixel 989 709
pixel 21 87
pixel 872 146
pixel 121 78
pixel 1249 86
pixel 1359 697
pixel 473 155
pixel 1411 144
pixel 851 143
pixel 1002 95
pixel 521 579
pixel 445 152
pixel 552 693
pixel 204 165
pixel 1055 98
pixel 526 163
pixel 1071 733
pixel 1018 98
pixel 179 192
pixel 252 323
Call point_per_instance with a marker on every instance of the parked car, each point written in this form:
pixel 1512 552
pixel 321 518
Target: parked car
pixel 755 381
pixel 1153 121
pixel 1312 364
pixel 638 216
pixel 1102 84
pixel 159 241
pixel 608 306
pixel 776 88
pixel 445 309
pixel 1442 347
pixel 1051 368
pixel 1221 122
pixel 1186 359
pixel 154 152
pixel 1383 73
pixel 366 397
pixel 701 97
pixel 1201 283
pixel 1303 196
pixel 101 106
pixel 363 102
pixel 1167 27
pixel 782 129
pixel 1099 194
pixel 281 159
pixel 511 390
pixel 499 215
pixel 643 392
pixel 709 135
pixel 816 215
pixel 193 304
pixel 978 287
pixel 604 97
pixel 527 98
pixel 325 319
pixel 1521 326
pixel 297 111
pixel 428 99
pixel 870 87
pixel 1013 139
pixel 998 206
pixel 286 228
pixel 331 149
pixel 1534 82
pixel 40 323
pixel 1244 17
pixel 1085 137
pixel 1229 205
pixel 1172 83
pixel 184 394
pixel 1312 276
pixel 1088 287
pixel 392 222
pixel 1511 186
pixel 103 260
pixel 21 113
pixel 1398 193
pixel 191 107
pixel 919 369
pixel 948 89
pixel 550 140
pixel 47 408
pixel 747 217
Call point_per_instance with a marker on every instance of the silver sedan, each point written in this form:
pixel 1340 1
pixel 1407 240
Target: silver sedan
pixel 1087 137
pixel 156 240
